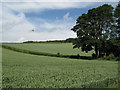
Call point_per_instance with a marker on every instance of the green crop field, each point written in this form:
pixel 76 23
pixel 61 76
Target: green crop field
pixel 20 70
pixel 62 48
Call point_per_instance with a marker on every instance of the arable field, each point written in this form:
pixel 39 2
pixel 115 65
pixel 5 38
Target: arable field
pixel 54 48
pixel 20 70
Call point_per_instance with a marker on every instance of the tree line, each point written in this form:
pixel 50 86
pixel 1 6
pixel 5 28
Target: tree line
pixel 49 41
pixel 99 29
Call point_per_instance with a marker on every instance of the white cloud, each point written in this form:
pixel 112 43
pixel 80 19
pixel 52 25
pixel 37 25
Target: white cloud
pixel 59 0
pixel 0 21
pixel 14 22
pixel 41 6
pixel 67 16
pixel 54 30
pixel 56 35
pixel 16 27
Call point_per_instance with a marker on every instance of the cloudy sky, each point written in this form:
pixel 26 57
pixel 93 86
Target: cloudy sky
pixel 50 20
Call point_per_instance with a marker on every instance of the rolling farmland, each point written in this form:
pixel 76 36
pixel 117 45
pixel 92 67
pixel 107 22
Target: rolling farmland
pixel 22 70
pixel 42 44
pixel 62 48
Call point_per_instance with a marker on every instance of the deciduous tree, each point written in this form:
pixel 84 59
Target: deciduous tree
pixel 93 29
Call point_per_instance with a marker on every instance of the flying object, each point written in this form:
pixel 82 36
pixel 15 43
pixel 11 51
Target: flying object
pixel 33 30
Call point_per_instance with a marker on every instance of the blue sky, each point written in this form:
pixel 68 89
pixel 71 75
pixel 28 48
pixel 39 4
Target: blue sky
pixel 52 14
pixel 50 20
pixel 58 13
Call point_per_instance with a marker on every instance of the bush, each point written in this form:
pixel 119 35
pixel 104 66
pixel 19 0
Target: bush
pixel 111 57
pixel 94 55
pixel 58 54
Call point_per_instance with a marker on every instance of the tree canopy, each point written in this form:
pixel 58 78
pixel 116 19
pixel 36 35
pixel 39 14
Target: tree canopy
pixel 96 30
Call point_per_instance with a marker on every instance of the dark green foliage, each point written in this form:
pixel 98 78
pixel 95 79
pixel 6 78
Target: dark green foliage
pixel 95 30
pixel 117 21
pixel 69 40
pixel 115 42
pixel 117 15
pixel 53 41
pixel 111 57
pixel 117 10
pixel 114 47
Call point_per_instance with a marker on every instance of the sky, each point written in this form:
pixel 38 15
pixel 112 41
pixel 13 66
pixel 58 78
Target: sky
pixel 50 20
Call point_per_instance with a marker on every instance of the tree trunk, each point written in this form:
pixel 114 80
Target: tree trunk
pixel 96 50
pixel 100 53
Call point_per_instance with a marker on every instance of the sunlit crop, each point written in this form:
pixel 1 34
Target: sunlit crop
pixel 22 70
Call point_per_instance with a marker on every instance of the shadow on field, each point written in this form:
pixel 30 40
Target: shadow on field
pixel 48 54
pixel 81 57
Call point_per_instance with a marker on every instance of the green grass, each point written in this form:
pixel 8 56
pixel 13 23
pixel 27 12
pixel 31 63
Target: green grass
pixel 53 48
pixel 32 71
pixel 113 86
